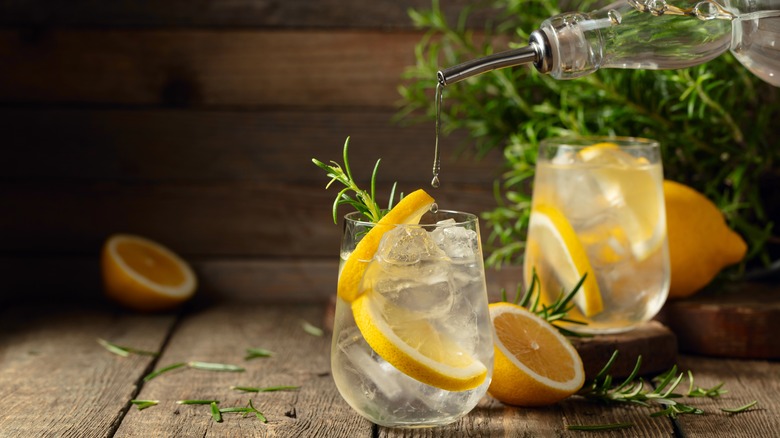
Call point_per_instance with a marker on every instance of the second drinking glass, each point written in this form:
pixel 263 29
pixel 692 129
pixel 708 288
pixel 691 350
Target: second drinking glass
pixel 598 209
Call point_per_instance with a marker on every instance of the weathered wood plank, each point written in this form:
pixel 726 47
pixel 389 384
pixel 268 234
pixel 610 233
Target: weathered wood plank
pixel 205 68
pixel 262 146
pixel 222 334
pixel 745 381
pixel 57 381
pixel 215 13
pixel 228 219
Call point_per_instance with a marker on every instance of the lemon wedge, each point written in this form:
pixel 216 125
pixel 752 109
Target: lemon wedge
pixel 409 210
pixel 555 251
pixel 407 341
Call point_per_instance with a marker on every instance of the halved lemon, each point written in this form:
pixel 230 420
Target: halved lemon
pixel 556 253
pixel 634 188
pixel 412 345
pixel 409 210
pixel 534 364
pixel 144 275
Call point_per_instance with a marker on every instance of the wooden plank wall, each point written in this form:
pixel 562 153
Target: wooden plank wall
pixel 193 122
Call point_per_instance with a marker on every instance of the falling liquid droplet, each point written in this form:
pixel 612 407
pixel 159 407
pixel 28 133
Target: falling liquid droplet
pixel 435 182
pixel 434 208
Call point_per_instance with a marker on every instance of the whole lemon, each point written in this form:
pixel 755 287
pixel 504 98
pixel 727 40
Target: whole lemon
pixel 700 242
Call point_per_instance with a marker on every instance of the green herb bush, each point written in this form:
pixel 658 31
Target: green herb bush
pixel 717 123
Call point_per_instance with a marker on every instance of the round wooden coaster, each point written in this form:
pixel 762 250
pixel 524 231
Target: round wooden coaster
pixel 741 321
pixel 652 340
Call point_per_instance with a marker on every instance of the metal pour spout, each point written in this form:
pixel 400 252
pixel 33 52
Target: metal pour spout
pixel 537 52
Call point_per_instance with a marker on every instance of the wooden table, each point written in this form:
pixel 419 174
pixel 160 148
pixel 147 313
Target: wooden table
pixel 56 380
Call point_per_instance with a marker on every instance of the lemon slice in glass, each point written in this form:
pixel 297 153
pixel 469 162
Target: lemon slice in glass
pixel 560 260
pixel 409 342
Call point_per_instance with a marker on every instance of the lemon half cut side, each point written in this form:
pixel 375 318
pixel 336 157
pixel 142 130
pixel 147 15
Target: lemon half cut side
pixel 144 275
pixel 534 364
pixel 415 347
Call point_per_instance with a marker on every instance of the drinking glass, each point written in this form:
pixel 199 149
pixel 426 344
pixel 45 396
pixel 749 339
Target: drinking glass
pixel 598 209
pixel 424 293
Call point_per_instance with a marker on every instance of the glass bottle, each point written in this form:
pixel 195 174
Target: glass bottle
pixel 645 34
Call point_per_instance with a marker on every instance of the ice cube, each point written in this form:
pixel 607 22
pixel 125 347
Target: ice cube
pixel 406 246
pixel 433 296
pixel 368 367
pixel 456 242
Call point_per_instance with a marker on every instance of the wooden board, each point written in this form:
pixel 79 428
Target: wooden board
pixel 742 321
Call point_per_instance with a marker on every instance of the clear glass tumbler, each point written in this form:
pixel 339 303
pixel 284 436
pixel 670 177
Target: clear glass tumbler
pixel 598 209
pixel 415 348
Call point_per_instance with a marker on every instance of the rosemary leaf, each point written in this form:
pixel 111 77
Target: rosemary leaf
pixel 597 427
pixel 311 329
pixel 215 413
pixel 741 408
pixel 253 353
pixel 156 373
pixel 210 366
pixel 143 404
pixel 123 350
pixel 266 389
pixel 196 402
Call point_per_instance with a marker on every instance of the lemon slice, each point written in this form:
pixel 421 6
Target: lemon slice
pixel 555 251
pixel 634 187
pixel 412 345
pixel 143 275
pixel 534 364
pixel 409 210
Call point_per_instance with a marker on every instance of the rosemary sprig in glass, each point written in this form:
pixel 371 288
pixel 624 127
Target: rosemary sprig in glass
pixel 363 201
pixel 556 312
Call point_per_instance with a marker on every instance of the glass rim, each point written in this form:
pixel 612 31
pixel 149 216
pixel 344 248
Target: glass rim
pixel 468 218
pixel 583 141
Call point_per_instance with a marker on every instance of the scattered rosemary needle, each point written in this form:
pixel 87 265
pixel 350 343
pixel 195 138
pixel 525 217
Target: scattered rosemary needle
pixel 595 427
pixel 210 366
pixel 196 402
pixel 156 373
pixel 215 413
pixel 122 350
pixel 253 353
pixel 250 408
pixel 311 329
pixel 741 408
pixel 266 389
pixel 143 404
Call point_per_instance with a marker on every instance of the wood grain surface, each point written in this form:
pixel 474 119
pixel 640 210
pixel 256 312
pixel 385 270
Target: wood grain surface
pixel 50 363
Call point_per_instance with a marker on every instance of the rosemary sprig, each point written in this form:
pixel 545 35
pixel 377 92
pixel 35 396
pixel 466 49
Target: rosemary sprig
pixel 311 329
pixel 635 390
pixel 253 353
pixel 555 312
pixel 123 350
pixel 363 201
pixel 143 404
pixel 265 389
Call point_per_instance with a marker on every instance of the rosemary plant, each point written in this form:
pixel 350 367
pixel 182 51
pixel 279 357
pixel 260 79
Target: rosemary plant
pixel 714 121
